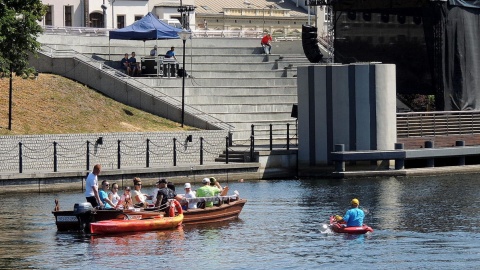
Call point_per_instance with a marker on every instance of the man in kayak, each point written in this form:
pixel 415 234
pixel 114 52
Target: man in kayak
pixel 354 216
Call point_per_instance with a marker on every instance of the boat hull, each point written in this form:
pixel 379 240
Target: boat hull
pixel 224 212
pixel 341 228
pixel 70 221
pixel 135 225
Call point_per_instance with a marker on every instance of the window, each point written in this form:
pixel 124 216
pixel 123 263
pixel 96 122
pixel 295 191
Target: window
pixel 48 16
pixel 96 20
pixel 120 21
pixel 138 17
pixel 68 15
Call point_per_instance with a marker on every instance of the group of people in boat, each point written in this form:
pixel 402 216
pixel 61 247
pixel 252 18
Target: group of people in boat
pixel 107 196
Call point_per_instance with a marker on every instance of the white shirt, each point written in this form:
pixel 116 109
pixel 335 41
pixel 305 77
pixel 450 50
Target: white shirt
pixel 92 181
pixel 191 195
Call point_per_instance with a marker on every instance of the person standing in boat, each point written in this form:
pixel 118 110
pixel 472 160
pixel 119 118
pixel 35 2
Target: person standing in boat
pixel 103 194
pixel 91 187
pixel 354 216
pixel 138 198
pixel 164 194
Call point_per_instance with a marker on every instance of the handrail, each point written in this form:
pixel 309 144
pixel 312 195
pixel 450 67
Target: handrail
pixel 198 33
pixel 109 71
pixel 418 124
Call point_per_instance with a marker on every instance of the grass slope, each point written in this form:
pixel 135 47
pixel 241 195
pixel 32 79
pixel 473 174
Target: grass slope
pixel 52 104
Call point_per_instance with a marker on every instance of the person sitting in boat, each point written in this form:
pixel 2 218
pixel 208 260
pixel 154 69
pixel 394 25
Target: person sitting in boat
pixel 164 194
pixel 138 198
pixel 103 194
pixel 189 194
pixel 215 183
pixel 354 216
pixel 113 194
pixel 155 191
pixel 171 185
pixel 125 201
pixel 208 191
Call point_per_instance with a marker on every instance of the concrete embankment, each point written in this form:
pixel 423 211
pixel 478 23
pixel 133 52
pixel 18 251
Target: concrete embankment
pixel 273 165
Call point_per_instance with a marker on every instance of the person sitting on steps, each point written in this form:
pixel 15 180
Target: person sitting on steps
pixel 266 44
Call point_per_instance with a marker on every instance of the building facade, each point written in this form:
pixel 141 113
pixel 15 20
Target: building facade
pixel 274 16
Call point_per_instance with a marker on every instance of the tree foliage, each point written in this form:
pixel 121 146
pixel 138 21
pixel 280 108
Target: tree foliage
pixel 19 30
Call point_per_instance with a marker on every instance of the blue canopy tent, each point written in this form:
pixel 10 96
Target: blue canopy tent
pixel 147 28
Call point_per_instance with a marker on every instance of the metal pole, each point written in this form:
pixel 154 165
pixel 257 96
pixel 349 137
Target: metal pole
pixel 55 156
pixel 88 155
pixel 20 158
pixel 10 99
pixel 148 153
pixel 271 137
pixel 174 152
pixel 118 155
pixel 183 85
pixel 226 150
pixel 201 150
pixel 288 136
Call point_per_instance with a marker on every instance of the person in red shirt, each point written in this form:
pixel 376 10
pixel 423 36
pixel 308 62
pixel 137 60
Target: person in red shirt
pixel 266 44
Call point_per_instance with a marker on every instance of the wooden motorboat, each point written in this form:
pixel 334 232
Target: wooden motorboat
pixel 135 225
pixel 224 208
pixel 227 210
pixel 83 214
pixel 339 227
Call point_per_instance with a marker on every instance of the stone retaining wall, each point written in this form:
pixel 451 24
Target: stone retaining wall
pixel 34 153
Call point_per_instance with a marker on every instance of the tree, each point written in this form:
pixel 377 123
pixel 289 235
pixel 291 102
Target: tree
pixel 19 30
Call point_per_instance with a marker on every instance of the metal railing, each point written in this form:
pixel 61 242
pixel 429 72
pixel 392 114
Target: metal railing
pixel 90 31
pixel 447 123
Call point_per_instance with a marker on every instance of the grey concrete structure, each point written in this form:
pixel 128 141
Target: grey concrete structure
pixel 352 105
pixel 231 85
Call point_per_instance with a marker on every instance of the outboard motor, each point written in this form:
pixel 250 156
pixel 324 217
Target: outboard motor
pixel 83 212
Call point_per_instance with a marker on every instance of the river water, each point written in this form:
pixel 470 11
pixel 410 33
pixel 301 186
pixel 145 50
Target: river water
pixel 419 223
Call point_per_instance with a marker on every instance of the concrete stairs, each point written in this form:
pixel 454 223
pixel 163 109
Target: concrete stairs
pixel 229 79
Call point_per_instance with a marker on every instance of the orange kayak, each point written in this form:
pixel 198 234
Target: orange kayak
pixel 135 225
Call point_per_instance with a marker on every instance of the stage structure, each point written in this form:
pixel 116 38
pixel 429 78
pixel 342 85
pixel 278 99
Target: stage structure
pixel 433 43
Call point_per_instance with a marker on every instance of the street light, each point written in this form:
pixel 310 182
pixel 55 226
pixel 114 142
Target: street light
pixel 184 35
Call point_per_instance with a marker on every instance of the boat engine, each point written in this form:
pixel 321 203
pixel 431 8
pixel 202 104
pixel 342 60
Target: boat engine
pixel 83 212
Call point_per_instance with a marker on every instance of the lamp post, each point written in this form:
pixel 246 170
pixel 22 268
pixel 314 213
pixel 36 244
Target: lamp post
pixel 184 35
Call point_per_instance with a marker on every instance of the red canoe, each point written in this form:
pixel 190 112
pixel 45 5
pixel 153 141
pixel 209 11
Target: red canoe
pixel 341 228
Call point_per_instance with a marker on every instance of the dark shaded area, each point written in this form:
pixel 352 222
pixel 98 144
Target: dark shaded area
pixel 128 112
pixel 434 45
